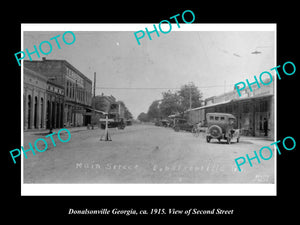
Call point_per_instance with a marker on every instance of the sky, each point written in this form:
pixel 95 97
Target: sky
pixel 138 74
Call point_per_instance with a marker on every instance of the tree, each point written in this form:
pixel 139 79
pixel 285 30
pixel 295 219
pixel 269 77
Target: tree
pixel 143 117
pixel 170 104
pixel 127 114
pixel 154 110
pixel 191 96
pixel 173 103
pixel 124 111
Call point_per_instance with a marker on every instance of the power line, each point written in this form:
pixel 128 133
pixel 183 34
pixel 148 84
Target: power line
pixel 159 88
pixel 135 88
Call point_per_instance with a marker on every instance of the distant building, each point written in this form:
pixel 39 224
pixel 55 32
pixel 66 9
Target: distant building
pixel 103 102
pixel 109 104
pixel 76 89
pixel 209 101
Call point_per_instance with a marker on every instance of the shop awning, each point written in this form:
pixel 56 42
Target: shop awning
pixel 97 111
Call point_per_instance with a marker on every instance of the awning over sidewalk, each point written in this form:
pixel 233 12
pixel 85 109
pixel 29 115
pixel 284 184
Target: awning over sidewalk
pixel 97 111
pixel 207 106
pixel 231 100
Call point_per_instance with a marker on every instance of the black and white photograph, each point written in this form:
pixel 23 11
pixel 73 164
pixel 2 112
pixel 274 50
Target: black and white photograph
pixel 100 107
pixel 116 112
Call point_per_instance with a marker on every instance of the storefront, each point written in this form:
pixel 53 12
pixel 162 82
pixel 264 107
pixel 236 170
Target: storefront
pixel 254 114
pixel 254 110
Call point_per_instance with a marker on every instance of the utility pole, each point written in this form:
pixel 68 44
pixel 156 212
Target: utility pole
pixel 76 105
pixel 224 89
pixel 94 102
pixel 94 84
pixel 190 95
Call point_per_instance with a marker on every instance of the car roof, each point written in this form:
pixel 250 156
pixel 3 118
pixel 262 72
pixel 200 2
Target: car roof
pixel 221 114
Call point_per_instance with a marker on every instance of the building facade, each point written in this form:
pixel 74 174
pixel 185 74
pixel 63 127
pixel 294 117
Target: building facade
pixel 34 100
pixel 254 109
pixel 103 102
pixel 70 93
pixel 78 97
pixel 55 105
pixel 108 104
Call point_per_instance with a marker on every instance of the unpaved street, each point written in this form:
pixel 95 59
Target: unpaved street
pixel 144 154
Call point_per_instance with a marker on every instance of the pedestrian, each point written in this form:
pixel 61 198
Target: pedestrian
pixel 266 126
pixel 199 125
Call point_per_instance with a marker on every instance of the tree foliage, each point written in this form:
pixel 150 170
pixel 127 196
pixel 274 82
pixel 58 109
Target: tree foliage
pixel 188 90
pixel 127 114
pixel 143 117
pixel 175 102
pixel 170 104
pixel 154 110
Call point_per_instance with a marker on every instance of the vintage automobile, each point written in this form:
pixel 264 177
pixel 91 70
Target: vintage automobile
pixel 120 124
pixel 182 124
pixel 162 123
pixel 221 126
pixel 165 123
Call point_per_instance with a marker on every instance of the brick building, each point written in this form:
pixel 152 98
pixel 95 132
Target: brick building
pixel 70 93
pixel 34 99
pixel 104 102
pixel 55 105
pixel 108 104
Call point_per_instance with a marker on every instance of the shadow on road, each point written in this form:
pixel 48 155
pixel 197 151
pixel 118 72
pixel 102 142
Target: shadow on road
pixel 232 143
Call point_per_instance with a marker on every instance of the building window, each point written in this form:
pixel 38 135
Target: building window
pixel 245 108
pixel 29 112
pixel 264 106
pixel 71 90
pixel 68 88
pixel 42 112
pixel 229 108
pixel 73 86
pixel 35 116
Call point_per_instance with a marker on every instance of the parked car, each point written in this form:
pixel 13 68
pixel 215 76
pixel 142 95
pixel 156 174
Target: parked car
pixel 221 126
pixel 165 123
pixel 158 123
pixel 182 124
